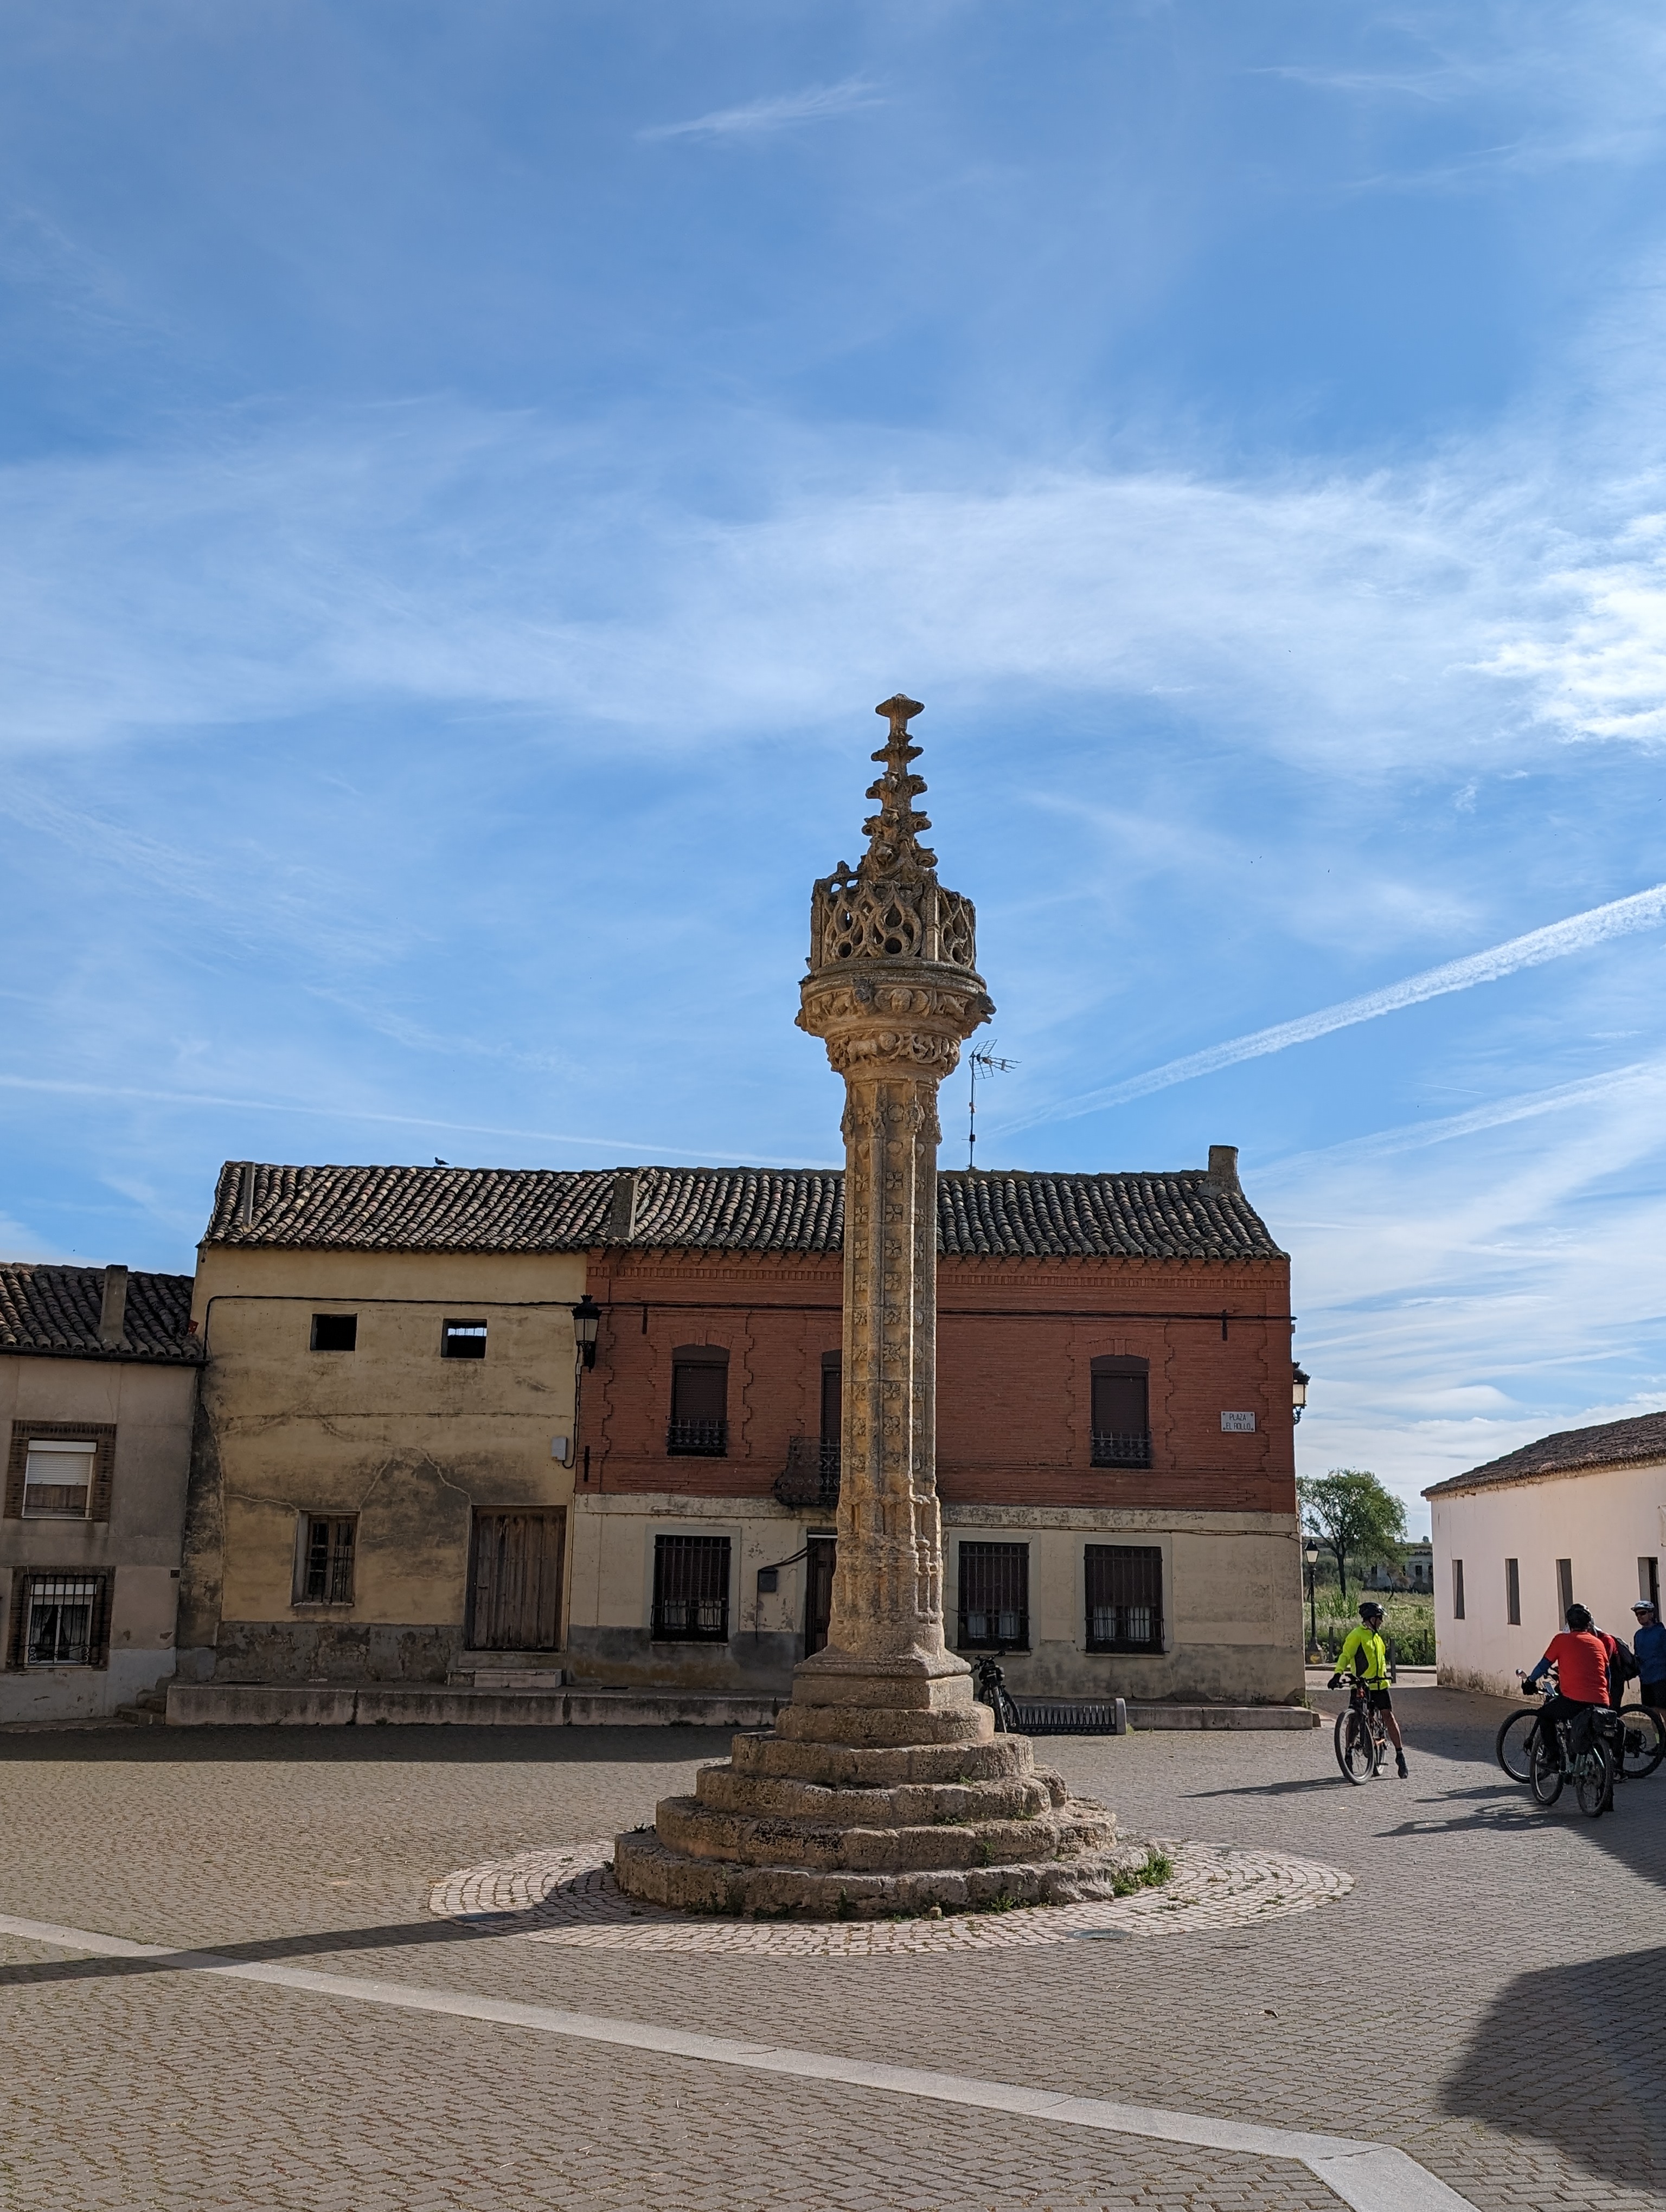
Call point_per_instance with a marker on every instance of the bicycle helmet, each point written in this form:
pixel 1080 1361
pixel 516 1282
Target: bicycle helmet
pixel 1645 1605
pixel 1578 1619
pixel 1371 1610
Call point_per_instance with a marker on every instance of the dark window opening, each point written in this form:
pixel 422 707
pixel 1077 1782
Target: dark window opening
pixel 335 1332
pixel 1512 1592
pixel 1124 1584
pixel 325 1564
pixel 690 1590
pixel 821 1556
pixel 1648 1582
pixel 64 1619
pixel 699 1425
pixel 1457 1589
pixel 994 1597
pixel 463 1340
pixel 1564 1588
pixel 1122 1410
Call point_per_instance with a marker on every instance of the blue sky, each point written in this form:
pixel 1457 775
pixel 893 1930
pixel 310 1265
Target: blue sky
pixel 469 471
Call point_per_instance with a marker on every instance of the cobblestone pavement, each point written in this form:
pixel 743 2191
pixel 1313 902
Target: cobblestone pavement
pixel 1487 1997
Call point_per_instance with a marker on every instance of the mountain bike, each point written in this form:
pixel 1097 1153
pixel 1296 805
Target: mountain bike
pixel 1362 1741
pixel 1640 1748
pixel 990 1687
pixel 1590 1766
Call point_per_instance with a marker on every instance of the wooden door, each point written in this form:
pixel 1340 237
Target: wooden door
pixel 514 1582
pixel 820 1554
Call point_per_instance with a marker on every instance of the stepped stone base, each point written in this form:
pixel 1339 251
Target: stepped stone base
pixel 799 1823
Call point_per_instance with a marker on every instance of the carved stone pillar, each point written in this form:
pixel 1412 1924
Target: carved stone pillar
pixel 883 1788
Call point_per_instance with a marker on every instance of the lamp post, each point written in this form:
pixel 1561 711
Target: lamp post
pixel 586 1320
pixel 1299 1379
pixel 1311 1555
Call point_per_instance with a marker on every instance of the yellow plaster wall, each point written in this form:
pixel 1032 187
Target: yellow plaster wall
pixel 410 1442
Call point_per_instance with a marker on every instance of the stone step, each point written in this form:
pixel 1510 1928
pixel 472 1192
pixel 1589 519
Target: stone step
pixel 646 1867
pixel 144 1713
pixel 883 1725
pixel 684 1824
pixel 998 1757
pixel 909 1804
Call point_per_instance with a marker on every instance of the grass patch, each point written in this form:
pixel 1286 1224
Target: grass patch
pixel 1157 1869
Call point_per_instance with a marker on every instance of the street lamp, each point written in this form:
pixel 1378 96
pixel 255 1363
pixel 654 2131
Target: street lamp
pixel 1311 1555
pixel 1299 1380
pixel 586 1320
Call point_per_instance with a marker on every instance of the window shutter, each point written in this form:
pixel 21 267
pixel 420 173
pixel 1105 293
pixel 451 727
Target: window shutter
pixel 23 1433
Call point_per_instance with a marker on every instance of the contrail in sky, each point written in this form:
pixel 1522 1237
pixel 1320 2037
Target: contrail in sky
pixel 1577 934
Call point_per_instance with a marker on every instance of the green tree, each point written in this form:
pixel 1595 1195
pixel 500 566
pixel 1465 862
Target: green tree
pixel 1350 1514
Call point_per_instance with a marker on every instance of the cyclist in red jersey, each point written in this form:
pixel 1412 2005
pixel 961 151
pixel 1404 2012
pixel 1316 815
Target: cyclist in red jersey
pixel 1580 1657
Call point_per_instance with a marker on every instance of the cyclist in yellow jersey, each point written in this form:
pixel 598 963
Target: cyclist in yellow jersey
pixel 1366 1657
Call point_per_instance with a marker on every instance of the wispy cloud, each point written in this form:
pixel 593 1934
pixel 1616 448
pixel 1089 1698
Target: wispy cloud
pixel 1579 932
pixel 817 103
pixel 346 1117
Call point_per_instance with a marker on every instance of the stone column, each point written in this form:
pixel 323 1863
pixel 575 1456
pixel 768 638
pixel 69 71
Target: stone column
pixel 883 1787
pixel 892 991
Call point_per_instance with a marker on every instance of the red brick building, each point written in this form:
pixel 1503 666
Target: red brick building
pixel 1114 1421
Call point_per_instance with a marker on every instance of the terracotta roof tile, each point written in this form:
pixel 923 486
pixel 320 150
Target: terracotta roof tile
pixel 1631 1443
pixel 1188 1214
pixel 55 1311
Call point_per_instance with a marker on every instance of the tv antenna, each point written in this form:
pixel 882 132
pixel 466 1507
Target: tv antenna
pixel 990 1063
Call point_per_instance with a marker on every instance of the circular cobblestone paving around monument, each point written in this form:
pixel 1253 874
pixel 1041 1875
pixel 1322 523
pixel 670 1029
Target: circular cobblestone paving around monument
pixel 570 1897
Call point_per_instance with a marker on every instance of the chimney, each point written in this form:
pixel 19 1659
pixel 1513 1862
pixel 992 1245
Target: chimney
pixel 1224 1169
pixel 622 1214
pixel 244 1194
pixel 113 1315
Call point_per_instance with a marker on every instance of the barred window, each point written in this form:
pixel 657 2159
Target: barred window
pixel 324 1558
pixel 62 1618
pixel 463 1340
pixel 690 1590
pixel 699 1425
pixel 1124 1583
pixel 994 1597
pixel 1122 1410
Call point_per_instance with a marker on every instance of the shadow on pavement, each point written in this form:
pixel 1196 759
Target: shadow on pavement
pixel 280 1950
pixel 1573 2056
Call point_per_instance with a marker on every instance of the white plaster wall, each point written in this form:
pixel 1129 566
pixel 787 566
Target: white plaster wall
pixel 1604 1522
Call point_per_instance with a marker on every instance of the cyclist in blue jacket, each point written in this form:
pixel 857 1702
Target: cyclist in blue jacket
pixel 1649 1649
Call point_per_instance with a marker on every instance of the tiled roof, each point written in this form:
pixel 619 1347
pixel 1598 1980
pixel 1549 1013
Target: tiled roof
pixel 1187 1215
pixel 1634 1442
pixel 56 1310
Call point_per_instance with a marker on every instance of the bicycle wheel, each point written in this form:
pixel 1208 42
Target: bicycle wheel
pixel 1006 1714
pixel 1644 1742
pixel 1546 1777
pixel 1356 1754
pixel 1514 1747
pixel 1593 1786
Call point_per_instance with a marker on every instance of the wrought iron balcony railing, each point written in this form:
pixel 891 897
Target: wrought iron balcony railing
pixel 810 1476
pixel 698 1439
pixel 1128 1450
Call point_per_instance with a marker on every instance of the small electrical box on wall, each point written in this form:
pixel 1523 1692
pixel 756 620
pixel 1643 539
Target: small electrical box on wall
pixel 769 1581
pixel 561 1448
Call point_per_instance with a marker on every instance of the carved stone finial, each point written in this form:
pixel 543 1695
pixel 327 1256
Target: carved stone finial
pixel 893 834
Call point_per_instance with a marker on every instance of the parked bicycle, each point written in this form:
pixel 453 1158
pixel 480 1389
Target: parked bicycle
pixel 1641 1745
pixel 989 1684
pixel 1362 1741
pixel 1583 1754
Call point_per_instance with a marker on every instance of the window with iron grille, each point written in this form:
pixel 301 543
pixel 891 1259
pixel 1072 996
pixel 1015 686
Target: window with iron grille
pixel 1124 1583
pixel 690 1590
pixel 61 1618
pixel 1122 1410
pixel 463 1340
pixel 699 1425
pixel 324 1558
pixel 994 1597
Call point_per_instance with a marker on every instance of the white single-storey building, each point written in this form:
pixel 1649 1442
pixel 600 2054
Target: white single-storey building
pixel 1578 1516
